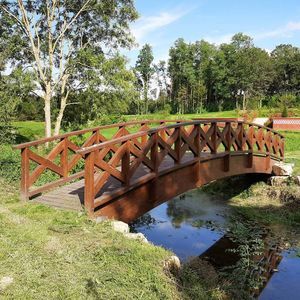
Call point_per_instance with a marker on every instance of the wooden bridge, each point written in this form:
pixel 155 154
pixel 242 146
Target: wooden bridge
pixel 123 170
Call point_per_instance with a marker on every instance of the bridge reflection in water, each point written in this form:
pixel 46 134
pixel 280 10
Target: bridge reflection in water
pixel 130 173
pixel 195 226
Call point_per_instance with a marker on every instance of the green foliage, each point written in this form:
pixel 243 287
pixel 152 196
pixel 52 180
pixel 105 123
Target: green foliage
pixel 245 275
pixel 93 104
pixel 144 70
pixel 10 164
pixel 13 88
pixel 285 112
pixel 237 74
pixel 70 46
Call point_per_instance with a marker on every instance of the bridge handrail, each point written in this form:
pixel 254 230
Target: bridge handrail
pixel 83 131
pixel 61 158
pixel 120 158
pixel 86 150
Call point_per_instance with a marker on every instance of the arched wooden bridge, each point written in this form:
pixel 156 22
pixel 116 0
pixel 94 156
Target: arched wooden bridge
pixel 124 170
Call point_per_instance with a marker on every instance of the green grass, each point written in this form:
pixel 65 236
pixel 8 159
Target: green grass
pixel 53 254
pixel 258 201
pixel 292 149
pixel 29 130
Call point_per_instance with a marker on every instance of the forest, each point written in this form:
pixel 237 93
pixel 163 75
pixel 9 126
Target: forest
pixel 70 79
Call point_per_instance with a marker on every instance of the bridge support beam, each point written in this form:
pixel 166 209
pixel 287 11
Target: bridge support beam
pixel 134 203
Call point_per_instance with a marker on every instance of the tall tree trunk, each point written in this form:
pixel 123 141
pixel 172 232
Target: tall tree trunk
pixel 146 97
pixel 47 110
pixel 63 105
pixel 244 101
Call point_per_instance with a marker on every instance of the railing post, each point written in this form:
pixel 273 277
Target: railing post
pixel 228 146
pixel 241 136
pixel 214 137
pixel 154 152
pixel 250 154
pixel 64 158
pixel 178 145
pixel 89 186
pixel 144 137
pixel 267 139
pixel 282 148
pixel 197 144
pixel 125 168
pixel 24 174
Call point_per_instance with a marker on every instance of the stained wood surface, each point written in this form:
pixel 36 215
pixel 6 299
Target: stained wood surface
pixel 71 196
pixel 132 172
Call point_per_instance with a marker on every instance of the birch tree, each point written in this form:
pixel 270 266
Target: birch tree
pixel 56 38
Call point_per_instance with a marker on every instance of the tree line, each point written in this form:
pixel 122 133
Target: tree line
pixel 61 62
pixel 237 75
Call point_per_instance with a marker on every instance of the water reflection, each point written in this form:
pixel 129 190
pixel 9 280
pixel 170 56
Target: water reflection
pixel 194 225
pixel 187 225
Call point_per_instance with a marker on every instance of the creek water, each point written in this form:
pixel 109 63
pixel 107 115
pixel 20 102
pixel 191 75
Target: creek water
pixel 195 225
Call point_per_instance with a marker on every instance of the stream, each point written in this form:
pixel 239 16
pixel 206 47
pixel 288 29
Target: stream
pixel 195 225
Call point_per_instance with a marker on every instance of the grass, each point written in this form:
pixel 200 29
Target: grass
pixel 53 254
pixel 56 254
pixel 251 197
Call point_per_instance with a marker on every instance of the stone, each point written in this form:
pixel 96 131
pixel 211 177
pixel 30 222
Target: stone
pixel 5 282
pixel 282 169
pixel 297 180
pixel 101 219
pixel 172 265
pixel 278 180
pixel 120 226
pixel 137 236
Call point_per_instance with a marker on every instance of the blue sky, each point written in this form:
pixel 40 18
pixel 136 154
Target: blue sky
pixel 269 22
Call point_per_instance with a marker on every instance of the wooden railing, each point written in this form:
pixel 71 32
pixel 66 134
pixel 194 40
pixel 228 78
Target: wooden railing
pixel 184 143
pixel 50 162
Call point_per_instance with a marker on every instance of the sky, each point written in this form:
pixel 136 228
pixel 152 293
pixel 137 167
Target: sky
pixel 161 22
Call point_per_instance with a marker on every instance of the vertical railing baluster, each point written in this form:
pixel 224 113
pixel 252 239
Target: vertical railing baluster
pixel 198 147
pixel 154 152
pixel 228 146
pixel 144 137
pixel 89 185
pixel 125 167
pixel 178 145
pixel 64 157
pixel 214 137
pixel 268 145
pixel 282 147
pixel 250 154
pixel 240 129
pixel 25 173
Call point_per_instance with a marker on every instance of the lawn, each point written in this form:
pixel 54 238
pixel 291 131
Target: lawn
pixel 54 254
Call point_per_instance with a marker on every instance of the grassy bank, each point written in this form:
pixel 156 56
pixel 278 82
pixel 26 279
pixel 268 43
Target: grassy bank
pixel 53 254
pixel 56 254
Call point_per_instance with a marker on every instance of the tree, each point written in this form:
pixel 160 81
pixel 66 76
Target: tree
pixel 56 39
pixel 286 61
pixel 13 89
pixel 96 103
pixel 145 70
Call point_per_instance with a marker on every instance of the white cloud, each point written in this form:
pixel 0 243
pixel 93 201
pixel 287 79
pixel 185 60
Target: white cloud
pixel 285 31
pixel 146 25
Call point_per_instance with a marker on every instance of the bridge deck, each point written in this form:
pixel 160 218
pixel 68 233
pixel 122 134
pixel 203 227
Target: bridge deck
pixel 71 196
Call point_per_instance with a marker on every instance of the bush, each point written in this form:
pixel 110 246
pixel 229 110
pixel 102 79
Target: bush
pixel 284 112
